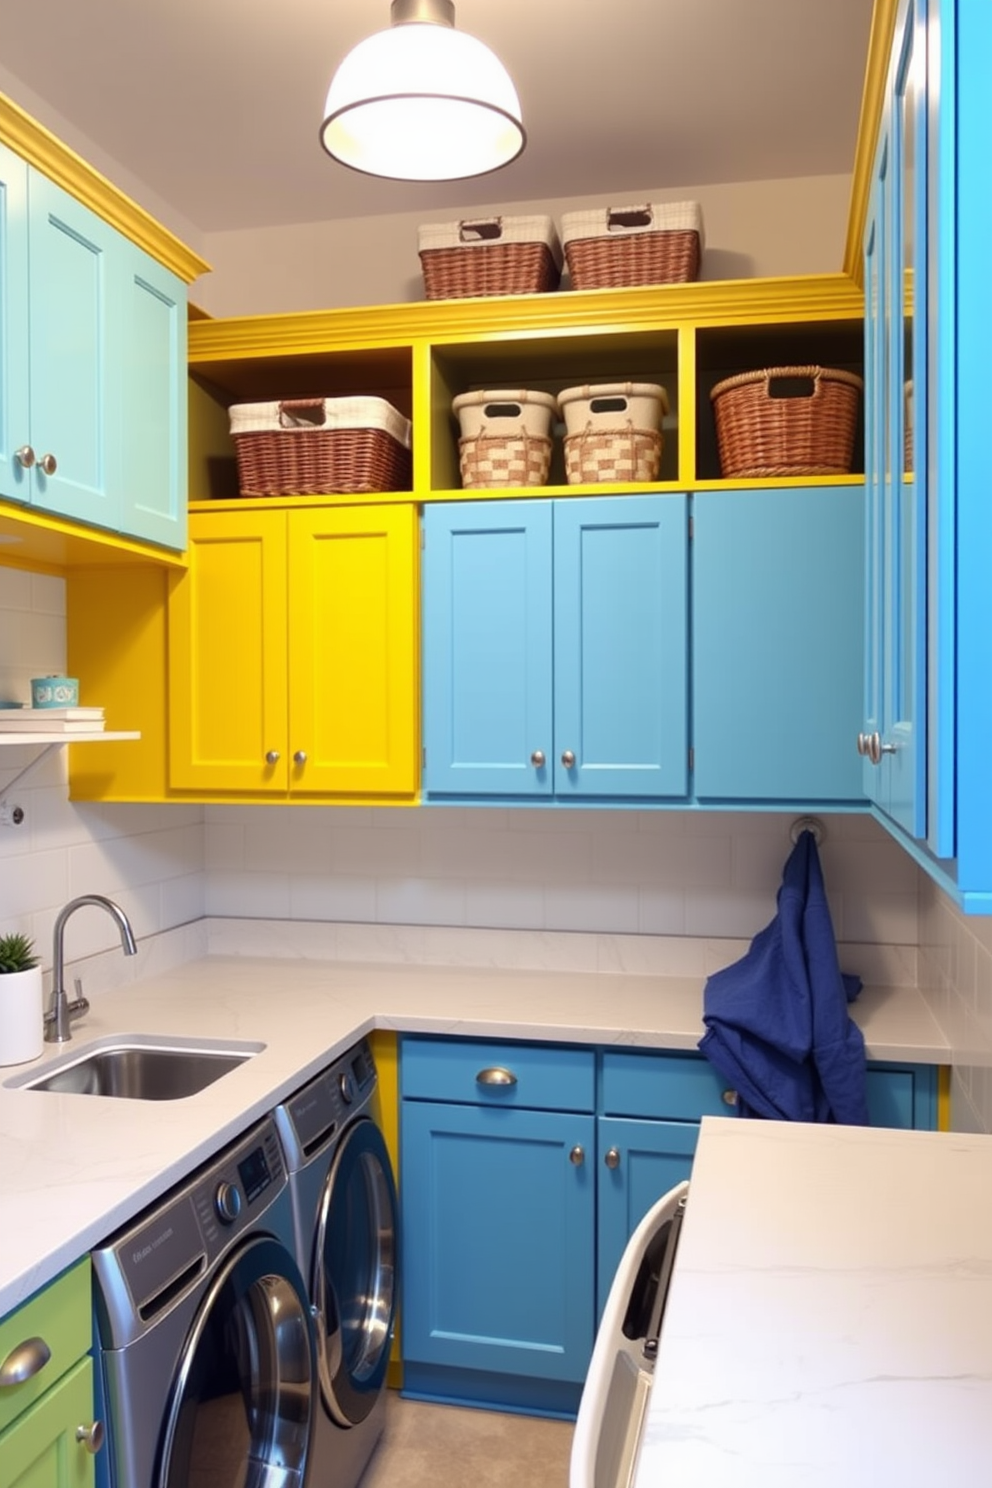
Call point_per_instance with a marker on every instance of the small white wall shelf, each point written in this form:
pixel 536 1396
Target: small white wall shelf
pixel 12 816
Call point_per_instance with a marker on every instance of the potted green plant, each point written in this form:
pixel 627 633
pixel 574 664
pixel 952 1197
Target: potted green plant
pixel 21 1009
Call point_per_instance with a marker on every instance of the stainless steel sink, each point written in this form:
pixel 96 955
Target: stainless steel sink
pixel 140 1068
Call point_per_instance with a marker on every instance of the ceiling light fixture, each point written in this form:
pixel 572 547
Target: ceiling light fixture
pixel 422 101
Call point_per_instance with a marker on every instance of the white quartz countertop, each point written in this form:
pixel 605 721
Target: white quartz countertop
pixel 76 1167
pixel 830 1314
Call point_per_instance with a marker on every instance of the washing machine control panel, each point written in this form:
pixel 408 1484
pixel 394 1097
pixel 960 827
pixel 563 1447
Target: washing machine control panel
pixel 346 1086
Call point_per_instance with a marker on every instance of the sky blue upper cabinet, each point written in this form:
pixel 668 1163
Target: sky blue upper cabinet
pixel 927 719
pixel 93 396
pixel 777 627
pixel 555 649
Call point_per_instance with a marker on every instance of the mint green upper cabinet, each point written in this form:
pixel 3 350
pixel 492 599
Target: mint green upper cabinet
pixel 555 649
pixel 154 401
pixel 777 621
pixel 92 398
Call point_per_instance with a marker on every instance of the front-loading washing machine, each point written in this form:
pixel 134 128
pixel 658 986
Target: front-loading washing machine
pixel 205 1339
pixel 345 1219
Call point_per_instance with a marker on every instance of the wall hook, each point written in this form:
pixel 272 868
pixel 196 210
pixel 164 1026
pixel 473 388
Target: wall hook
pixel 808 824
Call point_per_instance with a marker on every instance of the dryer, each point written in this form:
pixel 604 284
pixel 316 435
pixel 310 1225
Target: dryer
pixel 205 1342
pixel 345 1224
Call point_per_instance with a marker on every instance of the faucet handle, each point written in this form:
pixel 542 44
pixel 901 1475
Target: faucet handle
pixel 79 1004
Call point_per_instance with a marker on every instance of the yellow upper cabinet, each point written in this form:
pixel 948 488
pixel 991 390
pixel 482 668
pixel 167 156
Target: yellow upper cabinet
pixel 293 654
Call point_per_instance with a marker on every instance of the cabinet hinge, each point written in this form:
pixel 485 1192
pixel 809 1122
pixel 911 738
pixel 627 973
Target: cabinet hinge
pixel 692 527
pixel 424 760
pixel 423 537
pixel 692 759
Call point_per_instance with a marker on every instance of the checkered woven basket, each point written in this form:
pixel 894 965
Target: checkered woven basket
pixel 505 437
pixel 613 431
pixel 616 455
pixel 498 460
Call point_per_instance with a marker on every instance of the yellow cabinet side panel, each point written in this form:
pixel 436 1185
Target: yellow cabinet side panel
pixel 227 655
pixel 116 646
pixel 353 651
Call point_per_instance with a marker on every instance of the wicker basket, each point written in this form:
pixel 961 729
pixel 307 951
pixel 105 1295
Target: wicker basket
pixel 786 421
pixel 505 437
pixel 489 256
pixel 613 432
pixel 319 446
pixel 616 247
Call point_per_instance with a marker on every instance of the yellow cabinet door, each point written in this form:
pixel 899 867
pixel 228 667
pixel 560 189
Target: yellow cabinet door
pixel 353 651
pixel 227 656
pixel 41 1449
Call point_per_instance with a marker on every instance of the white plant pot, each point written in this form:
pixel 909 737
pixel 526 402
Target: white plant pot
pixel 21 1016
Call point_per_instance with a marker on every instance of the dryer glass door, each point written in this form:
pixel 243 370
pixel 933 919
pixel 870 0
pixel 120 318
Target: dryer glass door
pixel 354 1281
pixel 240 1414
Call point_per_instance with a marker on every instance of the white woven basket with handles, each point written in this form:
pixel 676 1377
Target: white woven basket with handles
pixel 634 220
pixel 613 431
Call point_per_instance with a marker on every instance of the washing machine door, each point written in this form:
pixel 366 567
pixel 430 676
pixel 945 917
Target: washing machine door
pixel 240 1415
pixel 354 1281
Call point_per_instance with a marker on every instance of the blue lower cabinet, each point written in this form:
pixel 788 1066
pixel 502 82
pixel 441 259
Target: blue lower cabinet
pixel 524 1170
pixel 498 1254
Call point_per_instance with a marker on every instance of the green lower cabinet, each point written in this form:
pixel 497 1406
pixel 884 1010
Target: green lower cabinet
pixel 47 1340
pixel 41 1450
pixel 524 1170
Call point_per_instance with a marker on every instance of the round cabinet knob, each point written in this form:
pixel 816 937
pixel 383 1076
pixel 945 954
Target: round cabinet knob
pixel 863 745
pixel 227 1202
pixel 568 759
pixel 25 456
pixel 90 1437
pixel 537 759
pixel 577 1156
pixel 347 1087
pixel 729 1097
pixel 272 758
pixel 49 464
pixel 300 757
pixel 612 1158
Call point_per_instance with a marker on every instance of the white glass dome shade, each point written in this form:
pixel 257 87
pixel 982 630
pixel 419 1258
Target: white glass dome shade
pixel 422 101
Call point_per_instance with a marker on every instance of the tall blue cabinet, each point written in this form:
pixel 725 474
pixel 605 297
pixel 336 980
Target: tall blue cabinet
pixel 927 712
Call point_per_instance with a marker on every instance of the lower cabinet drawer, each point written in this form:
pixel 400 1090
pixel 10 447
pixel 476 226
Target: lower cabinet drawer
pixel 674 1087
pixel 534 1077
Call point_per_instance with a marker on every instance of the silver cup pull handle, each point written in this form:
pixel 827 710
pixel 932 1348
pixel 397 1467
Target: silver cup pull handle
pixel 496 1074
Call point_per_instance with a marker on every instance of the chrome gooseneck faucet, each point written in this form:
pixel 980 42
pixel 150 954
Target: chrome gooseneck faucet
pixel 61 1011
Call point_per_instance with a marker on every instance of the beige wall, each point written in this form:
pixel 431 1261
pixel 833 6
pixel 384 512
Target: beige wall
pixel 753 229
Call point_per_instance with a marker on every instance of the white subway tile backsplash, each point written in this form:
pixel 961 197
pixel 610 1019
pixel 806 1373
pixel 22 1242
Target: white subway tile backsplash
pixel 420 901
pixel 331 896
pixel 610 908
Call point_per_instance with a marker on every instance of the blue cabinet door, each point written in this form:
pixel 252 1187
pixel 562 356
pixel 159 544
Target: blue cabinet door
pixel 155 399
pixel 498 1248
pixel 637 1162
pixel 777 622
pixel 487 617
pixel 15 480
pixel 76 340
pixel 621 652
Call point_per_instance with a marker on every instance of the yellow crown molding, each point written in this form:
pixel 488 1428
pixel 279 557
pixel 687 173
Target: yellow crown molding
pixel 567 313
pixel 41 149
pixel 883 25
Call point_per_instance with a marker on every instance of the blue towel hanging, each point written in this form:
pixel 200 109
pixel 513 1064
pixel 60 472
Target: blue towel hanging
pixel 777 1025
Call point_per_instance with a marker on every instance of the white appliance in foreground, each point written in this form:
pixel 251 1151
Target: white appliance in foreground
pixel 615 1395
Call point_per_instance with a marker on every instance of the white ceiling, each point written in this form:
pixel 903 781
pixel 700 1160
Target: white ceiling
pixel 215 104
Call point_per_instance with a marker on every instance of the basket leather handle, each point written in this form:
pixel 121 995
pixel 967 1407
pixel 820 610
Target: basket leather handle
pixel 480 229
pixel 620 218
pixel 294 411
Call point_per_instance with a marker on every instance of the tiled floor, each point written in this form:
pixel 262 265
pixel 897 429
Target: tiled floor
pixel 443 1446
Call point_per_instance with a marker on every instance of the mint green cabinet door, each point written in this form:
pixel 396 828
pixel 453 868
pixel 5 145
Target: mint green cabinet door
pixel 14 478
pixel 778 606
pixel 76 325
pixel 155 400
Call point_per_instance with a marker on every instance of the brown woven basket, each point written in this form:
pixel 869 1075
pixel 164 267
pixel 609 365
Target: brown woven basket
pixel 499 460
pixel 786 421
pixel 495 269
pixel 645 258
pixel 304 461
